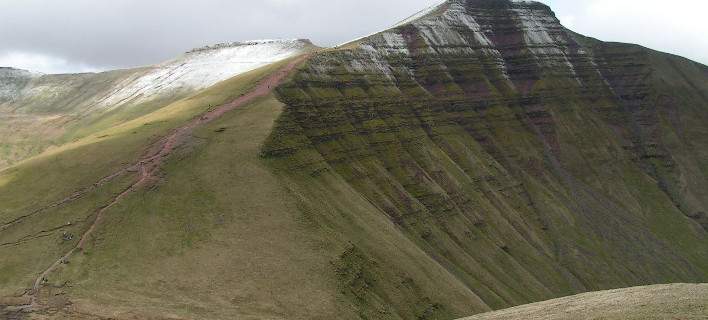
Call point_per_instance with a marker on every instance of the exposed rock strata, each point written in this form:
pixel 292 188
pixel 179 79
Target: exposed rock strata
pixel 529 161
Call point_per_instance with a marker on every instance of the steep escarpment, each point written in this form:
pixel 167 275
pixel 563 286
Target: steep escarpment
pixel 526 161
pixel 662 109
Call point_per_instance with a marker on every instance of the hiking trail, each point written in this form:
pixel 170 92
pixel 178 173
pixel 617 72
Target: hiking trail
pixel 151 162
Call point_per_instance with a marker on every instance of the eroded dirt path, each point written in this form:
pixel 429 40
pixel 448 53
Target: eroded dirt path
pixel 73 197
pixel 151 162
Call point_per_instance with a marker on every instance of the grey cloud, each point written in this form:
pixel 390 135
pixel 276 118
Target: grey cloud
pixel 123 33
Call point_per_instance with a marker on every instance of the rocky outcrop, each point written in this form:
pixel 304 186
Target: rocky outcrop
pixel 528 161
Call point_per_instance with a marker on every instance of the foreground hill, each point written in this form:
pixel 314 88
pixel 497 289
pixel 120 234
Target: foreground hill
pixel 678 301
pixel 475 157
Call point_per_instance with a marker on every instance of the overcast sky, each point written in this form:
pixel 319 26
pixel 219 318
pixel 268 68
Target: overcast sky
pixel 54 36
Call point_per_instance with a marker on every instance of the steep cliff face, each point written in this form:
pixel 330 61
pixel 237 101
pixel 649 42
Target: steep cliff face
pixel 525 160
pixel 38 111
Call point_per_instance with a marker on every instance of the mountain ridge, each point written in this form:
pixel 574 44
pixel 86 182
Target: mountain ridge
pixel 66 106
pixel 486 114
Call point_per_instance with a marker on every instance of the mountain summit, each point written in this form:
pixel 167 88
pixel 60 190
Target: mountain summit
pixel 528 161
pixel 476 156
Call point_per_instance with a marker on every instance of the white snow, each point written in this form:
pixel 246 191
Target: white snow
pixel 534 27
pixel 443 32
pixel 548 51
pixel 378 63
pixel 202 68
pixel 395 42
pixel 420 14
pixel 410 19
pixel 12 80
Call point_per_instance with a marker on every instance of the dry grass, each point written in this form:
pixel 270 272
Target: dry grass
pixel 673 301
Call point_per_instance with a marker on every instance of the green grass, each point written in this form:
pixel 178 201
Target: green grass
pixel 220 217
pixel 56 174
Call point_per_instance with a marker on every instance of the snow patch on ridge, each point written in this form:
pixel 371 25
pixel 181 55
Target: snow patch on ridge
pixel 443 34
pixel 201 68
pixel 13 80
pixel 536 26
pixel 410 19
pixel 421 14
pixel 395 43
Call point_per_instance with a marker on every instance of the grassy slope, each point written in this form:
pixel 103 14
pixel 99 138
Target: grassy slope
pixel 217 238
pixel 43 180
pixel 46 118
pixel 677 301
pixel 252 246
pixel 221 235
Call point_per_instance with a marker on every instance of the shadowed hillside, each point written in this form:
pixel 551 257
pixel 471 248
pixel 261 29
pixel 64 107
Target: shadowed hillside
pixel 526 160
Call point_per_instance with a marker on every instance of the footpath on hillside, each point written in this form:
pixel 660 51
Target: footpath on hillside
pixel 147 167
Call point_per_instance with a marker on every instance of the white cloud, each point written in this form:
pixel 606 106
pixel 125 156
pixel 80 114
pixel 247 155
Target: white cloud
pixel 568 21
pixel 127 33
pixel 42 63
pixel 675 26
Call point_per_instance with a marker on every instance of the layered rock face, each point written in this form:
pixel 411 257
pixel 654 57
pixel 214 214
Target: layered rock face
pixel 526 161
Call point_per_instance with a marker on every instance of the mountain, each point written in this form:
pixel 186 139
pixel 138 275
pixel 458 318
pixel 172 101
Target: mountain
pixel 40 111
pixel 475 157
pixel 528 161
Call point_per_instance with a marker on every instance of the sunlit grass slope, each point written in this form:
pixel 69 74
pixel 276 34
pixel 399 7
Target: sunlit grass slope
pixel 659 302
pixel 44 180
